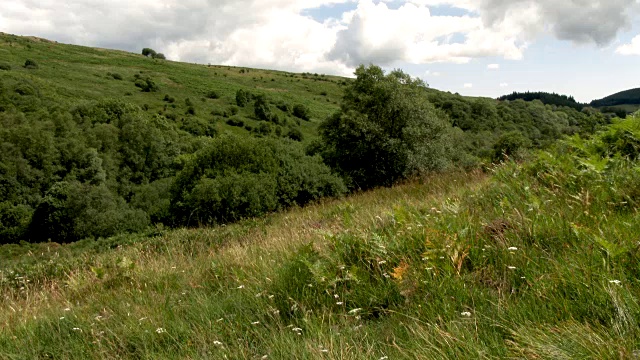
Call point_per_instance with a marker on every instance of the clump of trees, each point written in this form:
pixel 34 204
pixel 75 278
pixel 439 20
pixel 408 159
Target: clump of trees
pixel 148 52
pixel 386 130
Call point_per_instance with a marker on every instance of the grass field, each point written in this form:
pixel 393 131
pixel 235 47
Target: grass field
pixel 75 74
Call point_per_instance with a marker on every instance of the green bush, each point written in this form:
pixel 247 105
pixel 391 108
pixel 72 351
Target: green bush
pixel 295 134
pixel 213 94
pixel 159 56
pixel 5 67
pixel 30 64
pixel 302 112
pixel 235 122
pixel 148 52
pixel 233 178
pixel 261 108
pixel 243 97
pixel 117 76
pixel 146 85
pixel 72 211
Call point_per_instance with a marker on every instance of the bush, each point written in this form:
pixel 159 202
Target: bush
pixel 146 85
pixel 30 64
pixel 261 108
pixel 159 56
pixel 302 112
pixel 5 67
pixel 233 178
pixel 213 95
pixel 243 97
pixel 169 99
pixel 72 211
pixel 117 76
pixel 235 122
pixel 295 134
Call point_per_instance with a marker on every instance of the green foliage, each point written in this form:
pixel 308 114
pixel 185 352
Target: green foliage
pixel 261 108
pixel 30 64
pixel 159 56
pixel 117 76
pixel 71 211
pixel 295 134
pixel 233 178
pixel 631 96
pixel 509 145
pixel 148 52
pixel 212 94
pixel 386 131
pixel 146 84
pixel 302 112
pixel 243 97
pixel 5 67
pixel 546 98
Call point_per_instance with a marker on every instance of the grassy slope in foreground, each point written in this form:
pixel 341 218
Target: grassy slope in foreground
pixel 539 261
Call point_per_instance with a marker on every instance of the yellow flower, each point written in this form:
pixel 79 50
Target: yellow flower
pixel 399 271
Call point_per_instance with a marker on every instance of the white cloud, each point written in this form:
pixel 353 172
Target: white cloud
pixel 432 73
pixel 493 66
pixel 468 86
pixel 633 48
pixel 504 85
pixel 277 34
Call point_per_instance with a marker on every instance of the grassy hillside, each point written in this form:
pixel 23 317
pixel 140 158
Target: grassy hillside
pixel 69 75
pixel 538 260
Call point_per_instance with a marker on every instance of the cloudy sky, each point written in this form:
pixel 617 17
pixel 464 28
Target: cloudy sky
pixel 587 48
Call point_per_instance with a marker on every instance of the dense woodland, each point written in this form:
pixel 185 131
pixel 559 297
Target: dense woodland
pixel 92 168
pixel 545 97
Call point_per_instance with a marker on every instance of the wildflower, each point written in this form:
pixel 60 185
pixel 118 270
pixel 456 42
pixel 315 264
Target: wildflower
pixel 324 350
pixel 217 343
pixel 511 267
pixel 296 329
pixel 354 311
pixel 67 309
pixel 384 358
pixel 77 329
pixel 264 356
pixel 617 282
pixel 240 287
pixel 62 318
pixel 400 270
pixel 381 262
pixel 161 330
pixel 336 296
pixel 255 323
pixel 339 303
pixel 465 313
pixel 513 248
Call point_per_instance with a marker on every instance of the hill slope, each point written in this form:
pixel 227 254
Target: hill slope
pixel 622 103
pixel 539 261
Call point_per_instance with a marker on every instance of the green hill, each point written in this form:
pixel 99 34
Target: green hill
pixel 96 143
pixel 622 103
pixel 545 97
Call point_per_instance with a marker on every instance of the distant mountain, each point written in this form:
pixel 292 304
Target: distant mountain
pixel 545 98
pixel 627 97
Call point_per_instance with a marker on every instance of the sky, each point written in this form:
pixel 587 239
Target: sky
pixel 585 48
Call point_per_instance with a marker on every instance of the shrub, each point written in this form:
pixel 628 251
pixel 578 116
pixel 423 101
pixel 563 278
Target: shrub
pixel 302 112
pixel 5 67
pixel 159 56
pixel 261 108
pixel 243 97
pixel 213 94
pixel 30 64
pixel 117 76
pixel 72 211
pixel 169 99
pixel 199 127
pixel 295 134
pixel 235 122
pixel 146 85
pixel 233 178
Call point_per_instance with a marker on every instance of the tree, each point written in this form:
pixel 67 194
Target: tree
pixel 386 130
pixel 159 56
pixel 148 52
pixel 302 112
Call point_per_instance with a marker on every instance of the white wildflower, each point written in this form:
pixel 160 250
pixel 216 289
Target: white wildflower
pixel 324 350
pixel 77 329
pixel 62 318
pixel 67 309
pixel 465 313
pixel 264 356
pixel 240 287
pixel 354 311
pixel 381 262
pixel 161 330
pixel 617 282
pixel 511 267
pixel 513 248
pixel 217 343
pixel 255 323
pixel 339 303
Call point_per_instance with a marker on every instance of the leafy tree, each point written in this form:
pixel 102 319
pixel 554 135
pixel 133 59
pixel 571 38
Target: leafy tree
pixel 159 56
pixel 509 145
pixel 148 52
pixel 386 130
pixel 243 97
pixel 261 108
pixel 295 134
